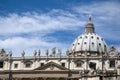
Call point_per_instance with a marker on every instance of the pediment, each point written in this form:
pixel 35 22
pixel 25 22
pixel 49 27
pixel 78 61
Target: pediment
pixel 51 66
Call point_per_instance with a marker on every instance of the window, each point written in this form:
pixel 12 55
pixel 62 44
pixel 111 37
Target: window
pixel 105 46
pixel 1 64
pixel 42 64
pixel 99 44
pixel 92 65
pixel 15 65
pixel 102 39
pixel 92 37
pixel 112 63
pixel 27 65
pixel 85 42
pixel 63 64
pixel 101 78
pixel 92 43
pixel 97 37
pixel 78 64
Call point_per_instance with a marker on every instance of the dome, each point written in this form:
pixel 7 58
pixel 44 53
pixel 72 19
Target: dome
pixel 89 41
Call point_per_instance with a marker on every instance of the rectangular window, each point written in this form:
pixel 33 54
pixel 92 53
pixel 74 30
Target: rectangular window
pixel 92 65
pixel 101 78
pixel 78 64
pixel 112 63
pixel 28 65
pixel 63 64
pixel 1 64
pixel 15 65
pixel 42 64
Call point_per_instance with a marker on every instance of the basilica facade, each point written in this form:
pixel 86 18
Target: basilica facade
pixel 88 58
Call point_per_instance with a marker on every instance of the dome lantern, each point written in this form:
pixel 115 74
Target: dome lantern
pixel 89 26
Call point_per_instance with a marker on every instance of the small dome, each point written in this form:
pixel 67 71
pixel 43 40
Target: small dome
pixel 89 41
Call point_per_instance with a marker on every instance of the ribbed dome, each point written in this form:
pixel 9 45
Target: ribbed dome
pixel 89 41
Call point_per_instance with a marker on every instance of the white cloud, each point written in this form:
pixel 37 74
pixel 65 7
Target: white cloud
pixel 107 11
pixel 15 23
pixel 106 8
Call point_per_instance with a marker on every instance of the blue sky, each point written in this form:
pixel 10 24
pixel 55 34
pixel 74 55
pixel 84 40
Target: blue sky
pixel 44 24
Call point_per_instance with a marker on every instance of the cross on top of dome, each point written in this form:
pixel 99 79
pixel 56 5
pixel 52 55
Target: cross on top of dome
pixel 90 18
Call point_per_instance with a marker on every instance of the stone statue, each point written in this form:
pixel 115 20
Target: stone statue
pixel 67 52
pixel 23 53
pixel 39 52
pixel 10 54
pixel 47 52
pixel 2 51
pixel 35 52
pixel 53 51
pixel 59 52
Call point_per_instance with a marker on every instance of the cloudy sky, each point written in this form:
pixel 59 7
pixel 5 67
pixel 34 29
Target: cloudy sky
pixel 44 24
